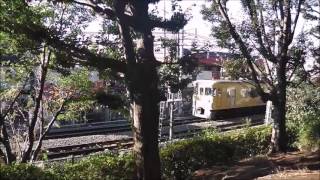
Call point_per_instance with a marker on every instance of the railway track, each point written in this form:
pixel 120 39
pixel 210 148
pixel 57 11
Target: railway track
pixel 126 143
pixel 108 127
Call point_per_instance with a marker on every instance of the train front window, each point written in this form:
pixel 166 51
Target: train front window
pixel 208 91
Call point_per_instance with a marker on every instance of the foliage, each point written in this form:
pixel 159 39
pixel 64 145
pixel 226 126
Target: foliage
pixel 303 115
pixel 179 159
pixel 177 76
pixel 236 68
pixel 24 172
pixel 78 88
pixel 107 166
pixel 182 158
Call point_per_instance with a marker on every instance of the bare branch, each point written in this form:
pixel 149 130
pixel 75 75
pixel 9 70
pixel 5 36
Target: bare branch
pixel 275 8
pixel 265 36
pixel 13 102
pixel 105 12
pixel 45 132
pixel 262 74
pixel 266 52
pixel 295 21
pixel 269 72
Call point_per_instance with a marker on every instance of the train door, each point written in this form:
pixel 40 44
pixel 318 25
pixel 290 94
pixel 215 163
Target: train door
pixel 232 96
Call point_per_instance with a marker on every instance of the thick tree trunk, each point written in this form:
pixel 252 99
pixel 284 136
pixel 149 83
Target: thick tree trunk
pixel 279 135
pixel 145 123
pixel 142 80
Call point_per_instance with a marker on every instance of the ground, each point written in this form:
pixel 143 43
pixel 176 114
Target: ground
pixel 290 166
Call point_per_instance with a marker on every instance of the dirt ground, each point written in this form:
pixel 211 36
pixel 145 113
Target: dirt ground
pixel 290 166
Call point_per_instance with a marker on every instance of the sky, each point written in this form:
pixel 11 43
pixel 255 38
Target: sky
pixel 197 28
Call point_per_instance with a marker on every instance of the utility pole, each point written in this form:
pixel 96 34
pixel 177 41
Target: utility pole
pixel 164 30
pixel 171 118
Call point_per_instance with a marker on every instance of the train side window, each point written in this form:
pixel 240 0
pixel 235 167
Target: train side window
pixel 201 91
pixel 214 92
pixel 244 93
pixel 231 92
pixel 218 92
pixel 253 92
pixel 208 91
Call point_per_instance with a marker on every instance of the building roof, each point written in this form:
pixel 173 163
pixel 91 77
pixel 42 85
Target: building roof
pixel 213 58
pixel 210 61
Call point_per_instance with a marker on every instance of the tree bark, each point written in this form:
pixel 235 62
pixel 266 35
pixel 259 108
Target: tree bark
pixel 145 96
pixel 145 123
pixel 279 135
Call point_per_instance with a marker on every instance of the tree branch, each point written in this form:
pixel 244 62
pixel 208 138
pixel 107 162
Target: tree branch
pixel 176 22
pixel 296 19
pixel 106 12
pixel 266 52
pixel 40 33
pixel 34 118
pixel 42 136
pixel 125 33
pixel 13 102
pixel 244 51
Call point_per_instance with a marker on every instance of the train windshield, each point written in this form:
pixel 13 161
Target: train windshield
pixel 210 91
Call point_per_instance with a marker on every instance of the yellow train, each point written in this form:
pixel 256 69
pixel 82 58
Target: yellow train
pixel 216 98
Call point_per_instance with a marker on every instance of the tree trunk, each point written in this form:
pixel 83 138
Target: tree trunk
pixel 26 155
pixel 142 81
pixel 146 123
pixel 279 135
pixel 9 155
pixel 42 136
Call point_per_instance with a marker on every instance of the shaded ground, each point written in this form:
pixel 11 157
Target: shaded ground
pixel 293 165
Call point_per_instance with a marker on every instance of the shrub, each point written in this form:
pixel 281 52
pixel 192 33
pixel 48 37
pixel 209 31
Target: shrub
pixel 179 160
pixel 107 166
pixel 24 172
pixel 182 158
pixel 303 116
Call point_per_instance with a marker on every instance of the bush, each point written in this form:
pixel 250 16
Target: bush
pixel 303 116
pixel 24 172
pixel 181 159
pixel 108 166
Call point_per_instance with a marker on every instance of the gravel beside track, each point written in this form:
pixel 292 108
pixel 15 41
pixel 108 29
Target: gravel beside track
pixel 52 143
pixel 85 139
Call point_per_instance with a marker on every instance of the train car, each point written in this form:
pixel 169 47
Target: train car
pixel 213 99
